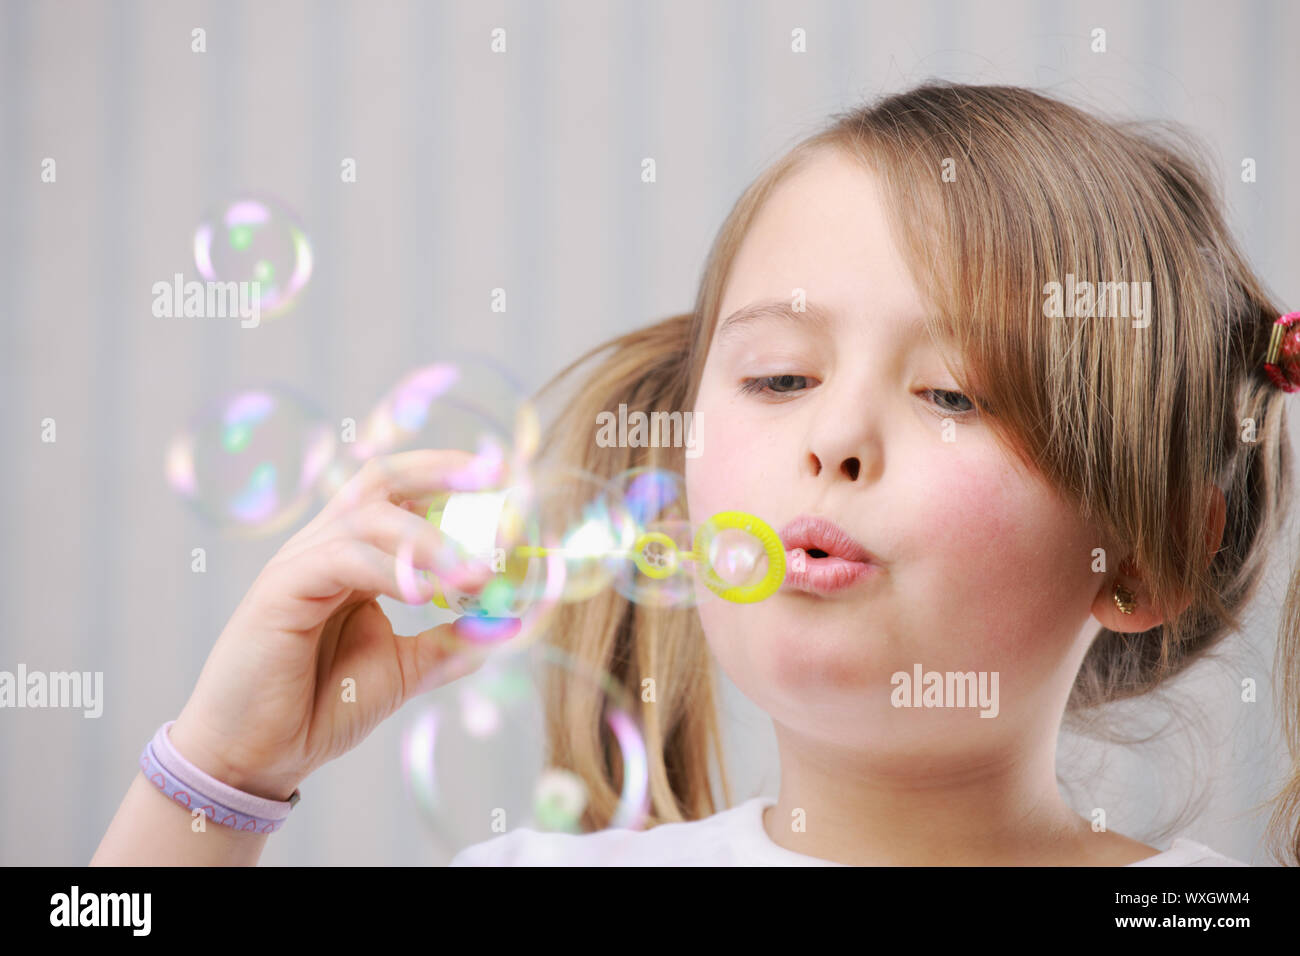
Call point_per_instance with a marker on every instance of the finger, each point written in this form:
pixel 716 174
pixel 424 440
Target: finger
pixel 385 476
pixel 433 658
pixel 414 542
pixel 346 564
pixel 441 655
pixel 420 475
pixel 380 523
pixel 487 469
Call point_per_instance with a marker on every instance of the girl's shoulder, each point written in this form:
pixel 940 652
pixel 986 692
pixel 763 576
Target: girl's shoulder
pixel 1187 852
pixel 733 837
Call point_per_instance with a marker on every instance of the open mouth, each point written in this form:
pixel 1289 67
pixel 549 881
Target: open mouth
pixel 820 538
pixel 822 558
pixel 822 573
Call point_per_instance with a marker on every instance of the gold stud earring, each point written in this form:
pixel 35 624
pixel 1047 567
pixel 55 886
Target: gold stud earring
pixel 1124 599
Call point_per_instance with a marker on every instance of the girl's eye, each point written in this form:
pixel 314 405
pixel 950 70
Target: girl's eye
pixel 951 404
pixel 969 410
pixel 774 384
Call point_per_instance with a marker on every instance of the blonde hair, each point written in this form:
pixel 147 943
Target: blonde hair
pixel 1136 425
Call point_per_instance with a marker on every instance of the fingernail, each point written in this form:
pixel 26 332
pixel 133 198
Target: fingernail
pixel 471 578
pixel 486 630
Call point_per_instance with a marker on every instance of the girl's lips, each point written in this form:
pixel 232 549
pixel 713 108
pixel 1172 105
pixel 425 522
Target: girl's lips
pixel 820 534
pixel 824 575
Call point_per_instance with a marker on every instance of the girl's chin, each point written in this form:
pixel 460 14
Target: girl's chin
pixel 808 662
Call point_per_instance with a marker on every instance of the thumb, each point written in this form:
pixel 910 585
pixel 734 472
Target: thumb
pixel 450 651
pixel 481 630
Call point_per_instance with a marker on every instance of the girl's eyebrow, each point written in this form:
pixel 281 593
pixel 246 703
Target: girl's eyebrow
pixel 814 316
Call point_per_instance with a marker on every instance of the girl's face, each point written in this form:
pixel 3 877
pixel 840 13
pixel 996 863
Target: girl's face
pixel 981 567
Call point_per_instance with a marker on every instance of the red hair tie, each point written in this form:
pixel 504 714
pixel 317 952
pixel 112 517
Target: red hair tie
pixel 1282 362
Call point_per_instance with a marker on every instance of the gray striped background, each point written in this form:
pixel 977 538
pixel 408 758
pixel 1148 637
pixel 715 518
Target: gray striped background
pixel 475 171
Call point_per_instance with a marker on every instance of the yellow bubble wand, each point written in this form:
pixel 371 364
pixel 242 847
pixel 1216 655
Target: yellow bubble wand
pixel 654 553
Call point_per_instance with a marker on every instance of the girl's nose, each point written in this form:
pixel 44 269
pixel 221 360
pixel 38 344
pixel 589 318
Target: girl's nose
pixel 849 467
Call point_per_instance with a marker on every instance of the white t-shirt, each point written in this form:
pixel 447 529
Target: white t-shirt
pixel 732 837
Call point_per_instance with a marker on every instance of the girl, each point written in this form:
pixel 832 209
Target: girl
pixel 1072 496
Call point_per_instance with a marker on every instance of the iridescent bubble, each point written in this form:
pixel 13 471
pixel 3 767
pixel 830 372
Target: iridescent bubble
pixel 528 434
pixel 559 800
pixel 631 533
pixel 497 530
pixel 663 576
pixel 580 519
pixel 337 474
pixel 738 557
pixel 466 401
pixel 477 762
pixel 652 494
pixel 255 240
pixel 550 540
pixel 250 462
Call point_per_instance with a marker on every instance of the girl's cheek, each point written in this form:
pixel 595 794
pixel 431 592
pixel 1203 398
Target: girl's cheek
pixel 968 513
pixel 1009 555
pixel 707 490
pixel 743 452
pixel 723 475
pixel 974 528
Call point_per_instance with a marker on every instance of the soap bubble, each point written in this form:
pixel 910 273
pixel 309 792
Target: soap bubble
pixel 737 558
pixel 592 531
pixel 631 533
pixel 255 240
pixel 559 799
pixel 468 401
pixel 655 499
pixel 549 540
pixel 497 529
pixel 477 762
pixel 743 557
pixel 250 462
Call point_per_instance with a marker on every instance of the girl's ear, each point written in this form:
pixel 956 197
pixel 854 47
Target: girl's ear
pixel 1106 610
pixel 1145 615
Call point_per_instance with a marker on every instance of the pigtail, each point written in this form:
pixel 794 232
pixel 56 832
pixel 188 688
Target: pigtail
pixel 1284 825
pixel 647 370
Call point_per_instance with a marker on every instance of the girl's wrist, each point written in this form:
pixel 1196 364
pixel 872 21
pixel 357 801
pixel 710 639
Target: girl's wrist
pixel 194 748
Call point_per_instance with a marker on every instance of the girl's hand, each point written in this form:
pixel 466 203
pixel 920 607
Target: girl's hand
pixel 268 707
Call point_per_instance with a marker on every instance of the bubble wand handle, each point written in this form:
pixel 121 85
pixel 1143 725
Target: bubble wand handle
pixel 656 554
